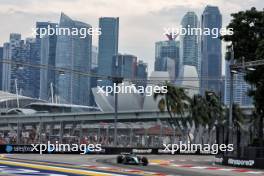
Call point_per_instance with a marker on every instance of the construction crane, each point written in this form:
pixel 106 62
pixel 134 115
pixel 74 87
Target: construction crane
pixel 172 36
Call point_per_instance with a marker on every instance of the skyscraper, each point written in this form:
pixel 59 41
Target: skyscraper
pixel 15 76
pixel 94 57
pixel 142 73
pixel 211 57
pixel 164 52
pixel 6 67
pixel 36 59
pixel 74 53
pixel 47 57
pixel 189 42
pixel 108 46
pixel 240 88
pixel 32 89
pixel 124 66
pixel 1 66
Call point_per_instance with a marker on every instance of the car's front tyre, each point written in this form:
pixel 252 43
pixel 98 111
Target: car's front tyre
pixel 119 159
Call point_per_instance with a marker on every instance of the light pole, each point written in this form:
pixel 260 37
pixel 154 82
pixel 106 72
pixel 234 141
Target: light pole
pixel 17 96
pixel 212 94
pixel 230 119
pixel 116 81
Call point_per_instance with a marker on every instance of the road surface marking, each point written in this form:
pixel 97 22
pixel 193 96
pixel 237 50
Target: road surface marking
pixel 57 169
pixel 190 166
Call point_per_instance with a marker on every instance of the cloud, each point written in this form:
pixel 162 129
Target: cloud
pixel 141 21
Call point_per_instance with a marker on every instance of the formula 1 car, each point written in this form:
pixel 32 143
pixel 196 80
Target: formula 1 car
pixel 130 158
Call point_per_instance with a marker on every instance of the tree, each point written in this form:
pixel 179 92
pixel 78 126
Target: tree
pixel 198 111
pixel 238 120
pixel 175 102
pixel 248 45
pixel 215 111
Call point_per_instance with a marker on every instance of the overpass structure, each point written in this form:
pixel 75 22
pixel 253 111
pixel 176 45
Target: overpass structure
pixel 125 116
pixel 93 117
pixel 72 126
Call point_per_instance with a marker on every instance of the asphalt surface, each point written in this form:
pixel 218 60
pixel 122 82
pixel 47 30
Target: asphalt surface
pixel 160 165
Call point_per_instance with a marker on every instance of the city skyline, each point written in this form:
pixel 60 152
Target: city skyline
pixel 149 19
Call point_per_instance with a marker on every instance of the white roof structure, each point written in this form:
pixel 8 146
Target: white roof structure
pixel 9 100
pixel 188 78
pixel 5 96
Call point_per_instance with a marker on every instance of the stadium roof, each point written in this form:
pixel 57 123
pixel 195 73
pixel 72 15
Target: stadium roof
pixel 6 96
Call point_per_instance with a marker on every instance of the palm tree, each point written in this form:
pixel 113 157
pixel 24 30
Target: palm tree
pixel 198 111
pixel 175 102
pixel 238 120
pixel 215 109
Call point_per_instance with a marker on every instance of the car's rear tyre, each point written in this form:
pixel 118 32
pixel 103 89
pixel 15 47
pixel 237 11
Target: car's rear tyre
pixel 119 159
pixel 144 161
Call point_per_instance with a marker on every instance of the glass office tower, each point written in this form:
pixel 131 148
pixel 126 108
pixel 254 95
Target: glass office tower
pixel 211 57
pixel 47 57
pixel 189 42
pixel 1 66
pixel 74 53
pixel 164 52
pixel 108 46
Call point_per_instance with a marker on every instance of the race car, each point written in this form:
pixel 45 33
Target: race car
pixel 131 158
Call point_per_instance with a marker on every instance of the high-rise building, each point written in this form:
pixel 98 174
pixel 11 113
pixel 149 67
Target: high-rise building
pixel 142 73
pixel 240 88
pixel 32 89
pixel 108 46
pixel 36 59
pixel 124 66
pixel 47 57
pixel 74 53
pixel 211 57
pixel 15 76
pixel 189 41
pixel 164 51
pixel 94 57
pixel 6 67
pixel 1 66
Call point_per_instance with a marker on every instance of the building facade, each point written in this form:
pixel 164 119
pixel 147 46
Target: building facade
pixel 33 72
pixel 1 66
pixel 240 88
pixel 164 51
pixel 189 41
pixel 108 46
pixel 94 56
pixel 47 57
pixel 74 53
pixel 124 66
pixel 16 78
pixel 211 57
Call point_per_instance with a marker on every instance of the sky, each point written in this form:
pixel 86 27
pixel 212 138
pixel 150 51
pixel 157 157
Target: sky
pixel 141 22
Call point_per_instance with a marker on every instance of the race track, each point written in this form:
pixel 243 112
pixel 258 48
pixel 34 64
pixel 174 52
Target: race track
pixel 105 165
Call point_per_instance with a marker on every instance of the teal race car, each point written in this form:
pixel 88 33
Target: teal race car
pixel 131 158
